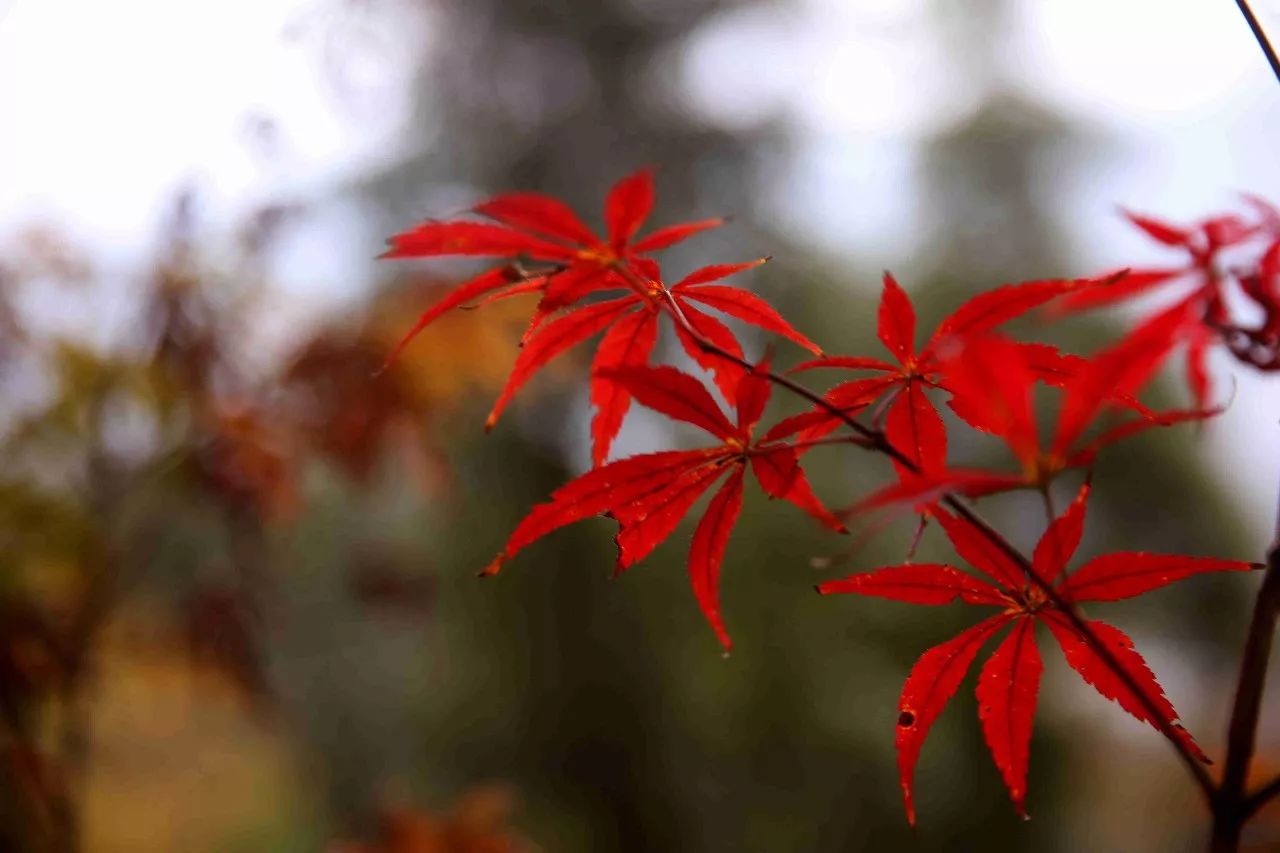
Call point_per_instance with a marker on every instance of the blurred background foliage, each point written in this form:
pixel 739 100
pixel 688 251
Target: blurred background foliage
pixel 238 604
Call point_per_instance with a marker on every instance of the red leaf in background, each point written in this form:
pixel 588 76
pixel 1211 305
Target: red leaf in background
pixel 931 684
pixel 929 488
pixel 707 551
pixel 1084 456
pixel 1207 275
pixel 1134 283
pixel 1170 235
pixel 993 308
pixel 1007 689
pixel 992 383
pixel 1197 367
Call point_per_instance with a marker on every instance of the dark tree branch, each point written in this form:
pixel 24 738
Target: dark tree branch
pixel 1232 807
pixel 1261 36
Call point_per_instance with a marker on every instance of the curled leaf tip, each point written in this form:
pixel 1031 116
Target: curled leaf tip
pixel 493 568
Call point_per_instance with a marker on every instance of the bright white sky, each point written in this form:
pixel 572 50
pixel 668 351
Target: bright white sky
pixel 104 116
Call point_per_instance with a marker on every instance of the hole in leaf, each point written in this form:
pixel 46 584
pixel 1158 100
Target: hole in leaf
pixel 906 719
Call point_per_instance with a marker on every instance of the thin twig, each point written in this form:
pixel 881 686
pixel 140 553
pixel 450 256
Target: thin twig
pixel 876 440
pixel 1261 36
pixel 1262 796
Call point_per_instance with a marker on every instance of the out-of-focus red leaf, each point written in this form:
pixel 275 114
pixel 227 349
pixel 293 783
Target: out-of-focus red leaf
pixel 927 488
pixel 992 308
pixel 991 385
pixel 1170 235
pixel 1134 283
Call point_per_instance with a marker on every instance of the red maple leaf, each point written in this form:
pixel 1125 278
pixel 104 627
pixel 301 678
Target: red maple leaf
pixel 632 330
pixel 991 382
pixel 1009 683
pixel 1200 307
pixel 542 228
pixel 649 494
pixel 630 323
pixel 912 424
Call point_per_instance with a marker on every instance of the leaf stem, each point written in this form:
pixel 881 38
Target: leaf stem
pixel 876 440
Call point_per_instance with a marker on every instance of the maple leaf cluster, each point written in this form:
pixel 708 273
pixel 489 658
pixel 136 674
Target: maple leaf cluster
pixel 1225 292
pixel 611 286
